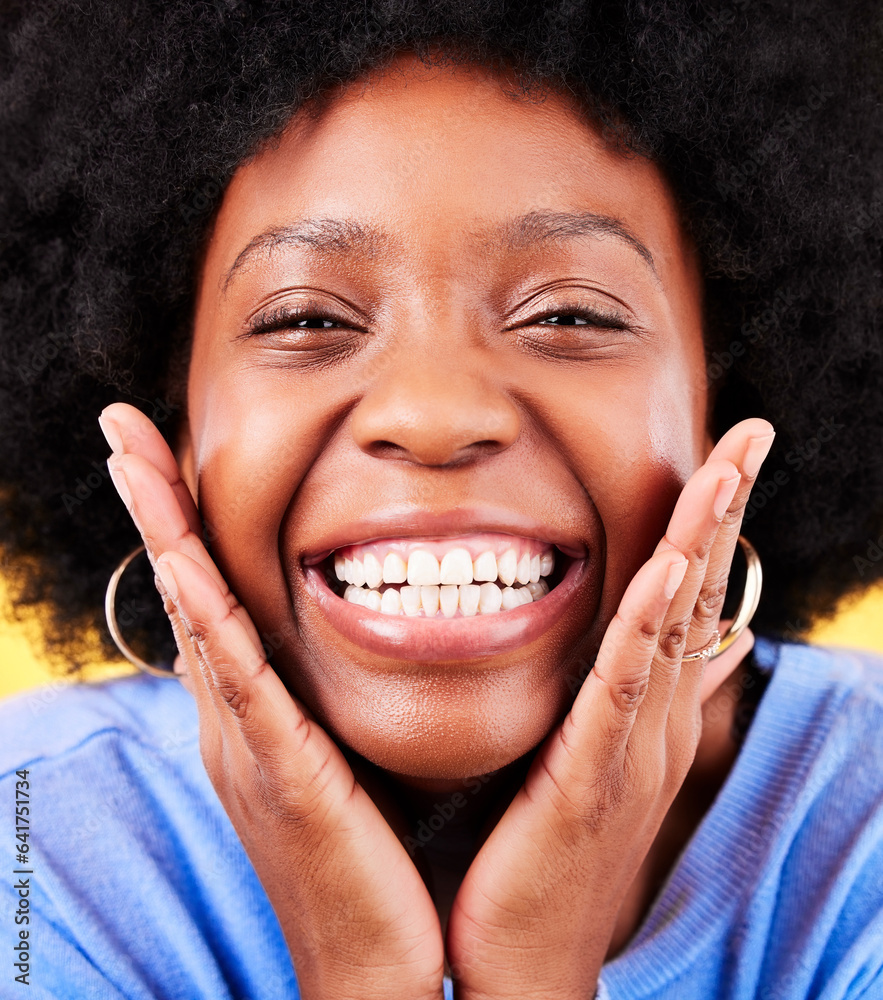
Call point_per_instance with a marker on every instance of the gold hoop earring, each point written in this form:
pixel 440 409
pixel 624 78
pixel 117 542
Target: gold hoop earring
pixel 113 624
pixel 744 613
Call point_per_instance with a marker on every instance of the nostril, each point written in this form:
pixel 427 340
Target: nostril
pixel 385 449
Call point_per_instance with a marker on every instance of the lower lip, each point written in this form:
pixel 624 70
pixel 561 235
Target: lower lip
pixel 438 639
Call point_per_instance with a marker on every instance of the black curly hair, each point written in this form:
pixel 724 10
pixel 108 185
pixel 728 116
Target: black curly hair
pixel 121 122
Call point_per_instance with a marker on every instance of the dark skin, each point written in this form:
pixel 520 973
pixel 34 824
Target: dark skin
pixel 455 373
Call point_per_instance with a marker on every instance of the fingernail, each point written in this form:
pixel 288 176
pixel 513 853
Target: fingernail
pixel 118 477
pixel 111 431
pixel 726 490
pixel 675 577
pixel 757 450
pixel 164 572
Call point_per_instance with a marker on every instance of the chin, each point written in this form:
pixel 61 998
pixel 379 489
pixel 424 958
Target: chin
pixel 442 646
pixel 443 719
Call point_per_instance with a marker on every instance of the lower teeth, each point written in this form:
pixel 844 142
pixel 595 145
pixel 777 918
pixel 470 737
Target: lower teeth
pixel 446 601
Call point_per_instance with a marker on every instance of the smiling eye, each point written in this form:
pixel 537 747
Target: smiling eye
pixel 287 317
pixel 579 315
pixel 313 323
pixel 566 319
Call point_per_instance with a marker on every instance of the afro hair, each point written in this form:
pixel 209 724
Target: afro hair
pixel 122 121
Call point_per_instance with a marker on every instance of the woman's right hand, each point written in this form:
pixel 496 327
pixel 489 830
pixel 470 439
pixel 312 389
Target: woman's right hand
pixel 355 913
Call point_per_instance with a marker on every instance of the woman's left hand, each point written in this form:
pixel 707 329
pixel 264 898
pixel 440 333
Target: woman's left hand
pixel 537 909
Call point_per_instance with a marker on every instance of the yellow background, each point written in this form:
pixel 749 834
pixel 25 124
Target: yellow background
pixel 859 624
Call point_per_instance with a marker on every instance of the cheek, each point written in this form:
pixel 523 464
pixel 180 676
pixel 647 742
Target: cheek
pixel 636 435
pixel 256 440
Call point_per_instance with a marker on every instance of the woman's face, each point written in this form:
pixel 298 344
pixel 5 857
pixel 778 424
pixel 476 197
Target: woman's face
pixel 496 347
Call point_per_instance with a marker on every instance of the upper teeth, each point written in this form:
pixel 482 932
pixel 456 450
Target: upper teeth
pixel 457 568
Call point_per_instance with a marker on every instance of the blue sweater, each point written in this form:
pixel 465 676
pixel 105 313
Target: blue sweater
pixel 137 885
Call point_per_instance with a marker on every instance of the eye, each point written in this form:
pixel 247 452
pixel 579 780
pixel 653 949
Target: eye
pixel 301 316
pixel 575 314
pixel 576 330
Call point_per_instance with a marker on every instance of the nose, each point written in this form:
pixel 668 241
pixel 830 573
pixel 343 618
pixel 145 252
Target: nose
pixel 434 412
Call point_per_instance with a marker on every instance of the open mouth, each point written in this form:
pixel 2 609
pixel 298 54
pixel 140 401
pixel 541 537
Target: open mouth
pixel 445 598
pixel 482 574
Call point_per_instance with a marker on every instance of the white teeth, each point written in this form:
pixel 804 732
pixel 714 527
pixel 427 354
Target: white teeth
pixel 373 571
pixel 534 569
pixel 470 598
pixel 358 570
pixel 410 600
pixel 423 569
pixel 491 598
pixel 429 600
pixel 449 598
pixel 510 599
pixel 485 567
pixel 448 586
pixel 507 566
pixel 395 570
pixel 390 602
pixel 456 567
pixel 470 595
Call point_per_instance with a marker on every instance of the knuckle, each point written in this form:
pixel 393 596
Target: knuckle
pixel 626 692
pixel 234 697
pixel 672 641
pixel 733 515
pixel 700 552
pixel 641 632
pixel 197 632
pixel 710 602
pixel 646 635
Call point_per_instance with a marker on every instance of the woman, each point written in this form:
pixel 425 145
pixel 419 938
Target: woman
pixel 468 401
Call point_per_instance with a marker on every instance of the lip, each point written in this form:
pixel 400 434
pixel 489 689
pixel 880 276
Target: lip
pixel 406 522
pixel 436 640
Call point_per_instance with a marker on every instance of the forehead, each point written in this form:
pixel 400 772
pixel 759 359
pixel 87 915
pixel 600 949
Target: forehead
pixel 434 164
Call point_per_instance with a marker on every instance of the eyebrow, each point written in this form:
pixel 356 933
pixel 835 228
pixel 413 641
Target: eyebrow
pixel 345 237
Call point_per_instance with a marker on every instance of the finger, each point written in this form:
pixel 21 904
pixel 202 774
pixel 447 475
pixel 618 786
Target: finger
pixel 595 733
pixel 268 719
pixel 158 516
pixel 692 530
pixel 128 430
pixel 190 672
pixel 746 445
